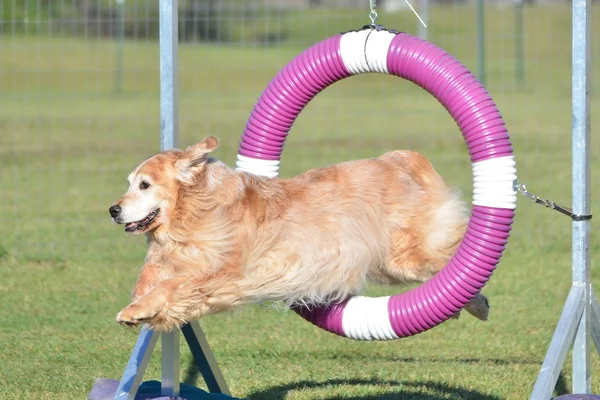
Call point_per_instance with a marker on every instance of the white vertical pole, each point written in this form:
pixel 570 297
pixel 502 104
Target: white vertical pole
pixel 581 49
pixel 170 363
pixel 424 14
pixel 169 112
pixel 169 40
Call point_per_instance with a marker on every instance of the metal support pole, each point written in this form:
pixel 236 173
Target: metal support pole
pixel 519 47
pixel 169 124
pixel 138 361
pixel 169 113
pixel 170 363
pixel 424 13
pixel 581 188
pixel 120 44
pixel 583 324
pixel 481 41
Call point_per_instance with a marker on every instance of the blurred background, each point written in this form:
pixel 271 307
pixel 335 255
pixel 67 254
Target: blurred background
pixel 79 109
pixel 79 90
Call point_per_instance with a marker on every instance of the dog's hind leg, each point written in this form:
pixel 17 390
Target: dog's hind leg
pixel 479 307
pixel 410 263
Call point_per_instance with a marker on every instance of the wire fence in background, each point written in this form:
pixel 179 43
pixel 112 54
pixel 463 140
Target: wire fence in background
pixel 79 93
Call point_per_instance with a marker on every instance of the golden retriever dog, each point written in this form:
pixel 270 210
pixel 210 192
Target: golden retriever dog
pixel 220 238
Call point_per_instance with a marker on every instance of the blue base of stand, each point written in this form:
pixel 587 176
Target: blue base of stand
pixel 105 389
pixel 578 397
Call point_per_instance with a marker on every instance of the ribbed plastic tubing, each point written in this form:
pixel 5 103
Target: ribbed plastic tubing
pixel 376 50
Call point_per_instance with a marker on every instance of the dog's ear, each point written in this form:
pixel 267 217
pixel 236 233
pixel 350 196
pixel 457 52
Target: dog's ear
pixel 194 157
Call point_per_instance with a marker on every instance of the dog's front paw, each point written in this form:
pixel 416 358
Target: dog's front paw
pixel 133 314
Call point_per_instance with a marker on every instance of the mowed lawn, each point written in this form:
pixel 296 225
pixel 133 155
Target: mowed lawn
pixel 68 141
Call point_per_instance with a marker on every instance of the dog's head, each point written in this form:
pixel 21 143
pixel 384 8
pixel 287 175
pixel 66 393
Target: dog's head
pixel 154 186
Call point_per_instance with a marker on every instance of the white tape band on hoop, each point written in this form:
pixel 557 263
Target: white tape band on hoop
pixel 352 49
pixel 493 163
pixel 366 50
pixel 376 50
pixel 493 183
pixel 250 166
pixel 367 318
pixel 255 166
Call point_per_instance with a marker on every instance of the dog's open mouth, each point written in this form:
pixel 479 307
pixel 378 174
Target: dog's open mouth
pixel 141 224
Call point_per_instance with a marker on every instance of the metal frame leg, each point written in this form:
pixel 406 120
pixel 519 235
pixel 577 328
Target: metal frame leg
pixel 170 364
pixel 205 359
pixel 138 362
pixel 582 364
pixel 560 344
pixel 595 322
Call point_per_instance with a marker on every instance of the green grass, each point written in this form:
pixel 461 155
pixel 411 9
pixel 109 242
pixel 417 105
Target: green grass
pixel 67 143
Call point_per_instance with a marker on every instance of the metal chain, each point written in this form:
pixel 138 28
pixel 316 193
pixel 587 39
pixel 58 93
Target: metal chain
pixel 522 189
pixel 373 13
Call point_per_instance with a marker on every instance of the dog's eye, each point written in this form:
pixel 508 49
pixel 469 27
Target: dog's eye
pixel 144 185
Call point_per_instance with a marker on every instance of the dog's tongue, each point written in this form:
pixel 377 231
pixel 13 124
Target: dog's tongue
pixel 131 227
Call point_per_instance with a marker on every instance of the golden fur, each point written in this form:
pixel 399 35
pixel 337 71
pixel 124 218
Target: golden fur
pixel 223 238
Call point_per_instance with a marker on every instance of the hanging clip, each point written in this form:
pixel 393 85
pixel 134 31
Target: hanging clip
pixel 521 188
pixel 373 13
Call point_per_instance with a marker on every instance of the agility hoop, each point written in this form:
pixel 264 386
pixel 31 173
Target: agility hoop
pixel 373 49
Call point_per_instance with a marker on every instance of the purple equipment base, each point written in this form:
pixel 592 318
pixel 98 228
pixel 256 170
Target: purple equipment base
pixel 105 389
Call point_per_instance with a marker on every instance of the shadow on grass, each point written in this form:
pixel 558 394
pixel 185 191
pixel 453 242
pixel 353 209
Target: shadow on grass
pixel 405 390
pixel 490 361
pixel 561 386
pixel 408 390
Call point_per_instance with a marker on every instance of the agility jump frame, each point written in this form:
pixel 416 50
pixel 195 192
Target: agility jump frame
pixel 580 318
pixel 578 323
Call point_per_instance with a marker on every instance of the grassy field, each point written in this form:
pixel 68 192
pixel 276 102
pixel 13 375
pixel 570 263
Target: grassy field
pixel 67 142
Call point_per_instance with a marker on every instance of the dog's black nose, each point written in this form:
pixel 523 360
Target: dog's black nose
pixel 114 211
